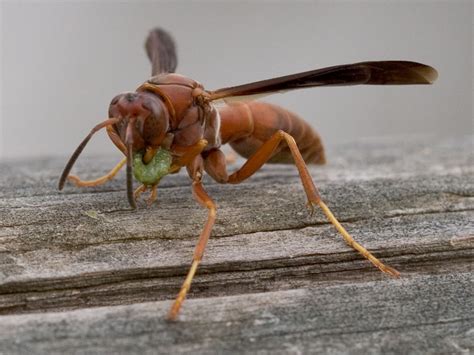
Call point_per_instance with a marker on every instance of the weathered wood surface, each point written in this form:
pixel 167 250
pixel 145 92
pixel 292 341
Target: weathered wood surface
pixel 294 286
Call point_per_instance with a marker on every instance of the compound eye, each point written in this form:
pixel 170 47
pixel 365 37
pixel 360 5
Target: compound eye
pixel 156 124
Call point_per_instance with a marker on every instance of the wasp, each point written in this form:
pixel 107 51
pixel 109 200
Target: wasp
pixel 172 122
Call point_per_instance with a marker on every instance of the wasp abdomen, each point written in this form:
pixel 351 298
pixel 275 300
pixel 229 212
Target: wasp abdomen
pixel 246 126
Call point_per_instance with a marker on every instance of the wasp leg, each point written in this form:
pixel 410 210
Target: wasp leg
pixel 153 195
pixel 138 191
pixel 214 167
pixel 141 189
pixel 88 183
pixel 203 198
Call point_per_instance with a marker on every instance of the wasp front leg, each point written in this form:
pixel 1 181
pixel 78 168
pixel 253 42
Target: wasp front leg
pixel 102 180
pixel 153 194
pixel 111 174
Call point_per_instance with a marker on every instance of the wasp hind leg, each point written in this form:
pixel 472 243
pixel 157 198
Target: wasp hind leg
pixel 215 166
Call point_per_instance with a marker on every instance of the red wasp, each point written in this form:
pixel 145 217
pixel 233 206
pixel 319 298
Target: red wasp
pixel 171 122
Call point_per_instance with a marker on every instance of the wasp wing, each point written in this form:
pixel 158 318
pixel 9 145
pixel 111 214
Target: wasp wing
pixel 363 73
pixel 161 51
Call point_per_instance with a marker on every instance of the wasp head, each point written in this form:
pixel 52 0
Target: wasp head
pixel 143 119
pixel 139 120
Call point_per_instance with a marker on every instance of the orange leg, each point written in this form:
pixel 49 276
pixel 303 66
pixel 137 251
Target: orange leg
pixel 153 195
pixel 203 198
pixel 88 183
pixel 142 188
pixel 102 180
pixel 263 154
pixel 138 191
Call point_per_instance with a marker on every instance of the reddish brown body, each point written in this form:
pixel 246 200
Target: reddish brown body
pixel 246 126
pixel 171 122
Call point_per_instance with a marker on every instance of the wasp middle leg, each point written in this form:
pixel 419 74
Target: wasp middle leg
pixel 201 196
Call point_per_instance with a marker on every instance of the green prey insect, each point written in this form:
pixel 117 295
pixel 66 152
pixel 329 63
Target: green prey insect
pixel 150 174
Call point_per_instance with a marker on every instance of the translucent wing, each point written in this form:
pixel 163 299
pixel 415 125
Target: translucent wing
pixel 161 51
pixel 364 73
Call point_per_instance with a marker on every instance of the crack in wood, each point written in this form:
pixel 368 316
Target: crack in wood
pixel 146 285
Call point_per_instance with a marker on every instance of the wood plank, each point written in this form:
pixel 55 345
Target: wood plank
pixel 151 269
pixel 424 314
pixel 411 202
pixel 50 245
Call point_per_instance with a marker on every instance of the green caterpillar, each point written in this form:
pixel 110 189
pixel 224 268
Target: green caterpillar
pixel 151 173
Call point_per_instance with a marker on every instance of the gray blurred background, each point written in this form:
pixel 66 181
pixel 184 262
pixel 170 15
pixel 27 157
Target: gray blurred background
pixel 62 62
